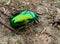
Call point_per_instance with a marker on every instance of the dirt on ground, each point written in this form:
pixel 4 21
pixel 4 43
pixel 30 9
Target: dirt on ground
pixel 47 31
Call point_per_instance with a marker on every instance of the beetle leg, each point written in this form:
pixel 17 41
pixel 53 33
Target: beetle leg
pixel 21 29
pixel 34 26
pixel 37 20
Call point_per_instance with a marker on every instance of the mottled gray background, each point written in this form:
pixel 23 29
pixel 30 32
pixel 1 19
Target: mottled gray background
pixel 45 32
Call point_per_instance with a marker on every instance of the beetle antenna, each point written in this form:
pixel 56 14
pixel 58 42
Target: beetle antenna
pixel 39 14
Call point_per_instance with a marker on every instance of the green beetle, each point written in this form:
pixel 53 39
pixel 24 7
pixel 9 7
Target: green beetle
pixel 23 18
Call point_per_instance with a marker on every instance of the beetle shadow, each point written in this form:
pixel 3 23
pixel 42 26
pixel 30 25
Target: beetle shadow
pixel 17 31
pixel 21 30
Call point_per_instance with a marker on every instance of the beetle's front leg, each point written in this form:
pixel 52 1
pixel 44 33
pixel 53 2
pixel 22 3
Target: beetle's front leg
pixel 35 26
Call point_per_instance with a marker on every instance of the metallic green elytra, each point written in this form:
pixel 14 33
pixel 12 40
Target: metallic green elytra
pixel 22 18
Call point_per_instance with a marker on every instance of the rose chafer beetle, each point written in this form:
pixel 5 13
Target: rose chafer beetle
pixel 23 18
